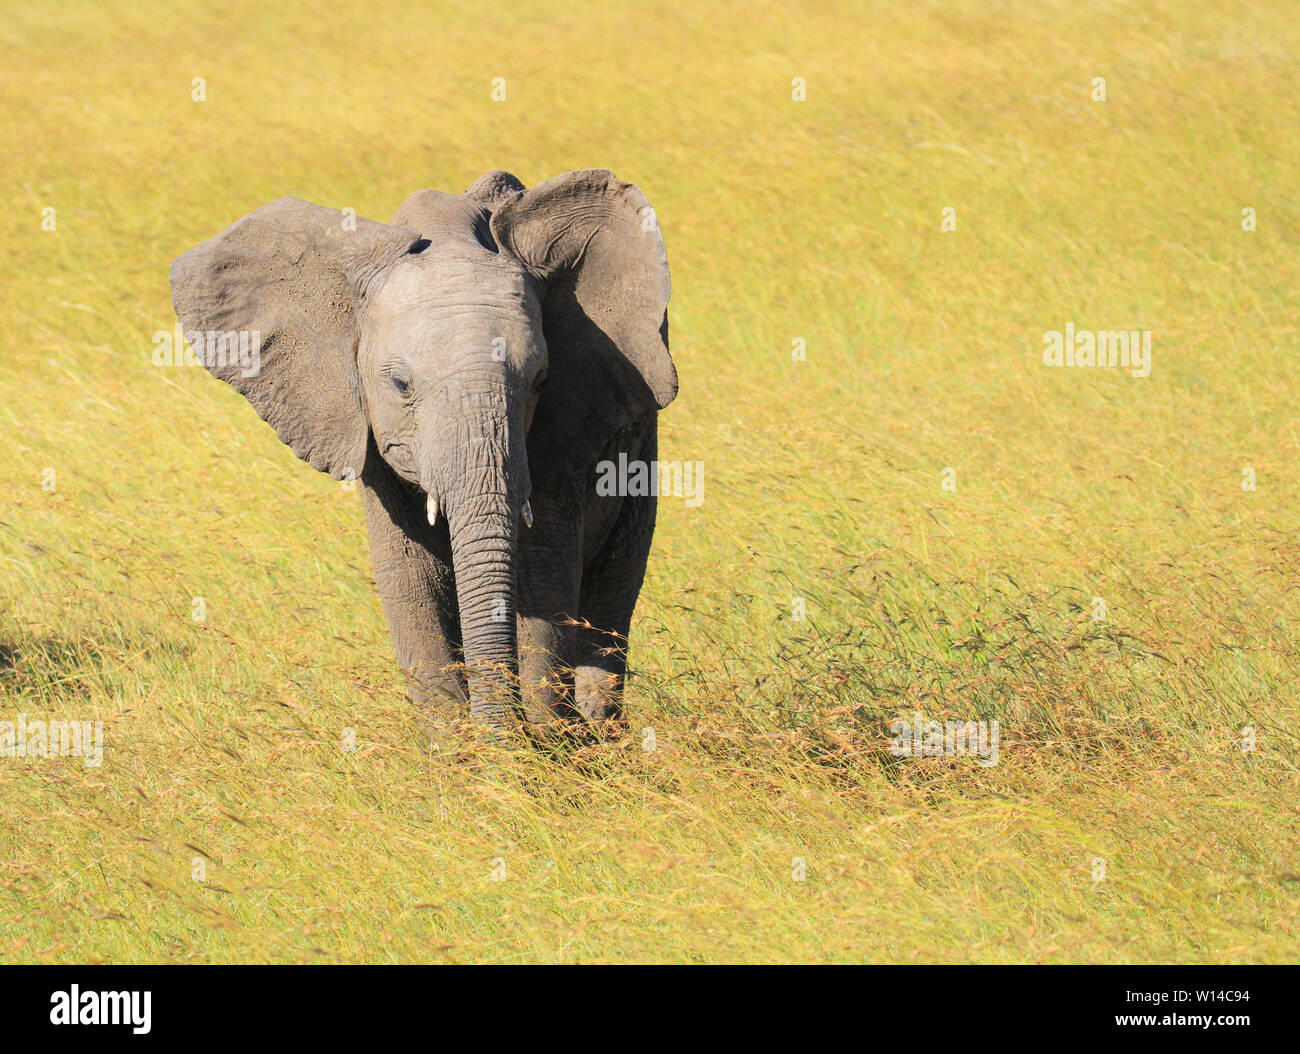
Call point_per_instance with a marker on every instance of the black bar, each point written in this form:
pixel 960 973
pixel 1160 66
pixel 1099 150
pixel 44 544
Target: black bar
pixel 344 1003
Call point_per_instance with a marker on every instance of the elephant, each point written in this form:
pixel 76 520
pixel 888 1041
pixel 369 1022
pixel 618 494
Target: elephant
pixel 470 365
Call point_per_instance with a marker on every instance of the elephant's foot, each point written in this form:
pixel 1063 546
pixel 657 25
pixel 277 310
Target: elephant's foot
pixel 441 701
pixel 598 695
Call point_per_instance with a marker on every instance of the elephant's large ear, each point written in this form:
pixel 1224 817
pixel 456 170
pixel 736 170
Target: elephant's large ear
pixel 594 243
pixel 290 276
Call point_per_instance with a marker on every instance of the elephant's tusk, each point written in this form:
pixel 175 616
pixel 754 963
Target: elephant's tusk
pixel 528 513
pixel 432 509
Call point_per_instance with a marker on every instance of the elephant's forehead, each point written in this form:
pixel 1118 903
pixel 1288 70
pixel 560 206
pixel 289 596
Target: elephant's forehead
pixel 457 275
pixel 457 301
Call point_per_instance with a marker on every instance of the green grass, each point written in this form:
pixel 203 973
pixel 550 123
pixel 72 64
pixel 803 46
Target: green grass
pixel 1121 738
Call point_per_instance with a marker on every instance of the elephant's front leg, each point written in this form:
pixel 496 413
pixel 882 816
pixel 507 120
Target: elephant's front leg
pixel 549 579
pixel 412 563
pixel 609 591
pixel 611 582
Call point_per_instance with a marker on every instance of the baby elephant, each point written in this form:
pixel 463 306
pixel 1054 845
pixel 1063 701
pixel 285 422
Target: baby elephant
pixel 471 364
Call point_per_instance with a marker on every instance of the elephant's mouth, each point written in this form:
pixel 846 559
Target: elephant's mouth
pixel 433 507
pixel 401 458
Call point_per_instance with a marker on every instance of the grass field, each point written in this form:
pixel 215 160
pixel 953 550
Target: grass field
pixel 1094 571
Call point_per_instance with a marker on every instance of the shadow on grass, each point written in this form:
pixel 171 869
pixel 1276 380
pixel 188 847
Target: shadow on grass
pixel 41 668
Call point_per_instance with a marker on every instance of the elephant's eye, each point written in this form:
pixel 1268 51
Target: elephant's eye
pixel 400 379
pixel 540 382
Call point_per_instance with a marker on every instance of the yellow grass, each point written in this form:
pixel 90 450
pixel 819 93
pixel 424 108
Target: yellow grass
pixel 1121 738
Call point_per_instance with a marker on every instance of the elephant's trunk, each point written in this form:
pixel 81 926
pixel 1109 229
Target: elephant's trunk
pixel 483 545
pixel 482 500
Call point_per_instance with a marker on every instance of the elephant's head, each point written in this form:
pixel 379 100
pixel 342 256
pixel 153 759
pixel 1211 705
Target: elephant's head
pixel 434 336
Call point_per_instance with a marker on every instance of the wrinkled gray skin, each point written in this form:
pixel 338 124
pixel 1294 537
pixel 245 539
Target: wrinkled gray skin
pixel 483 352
